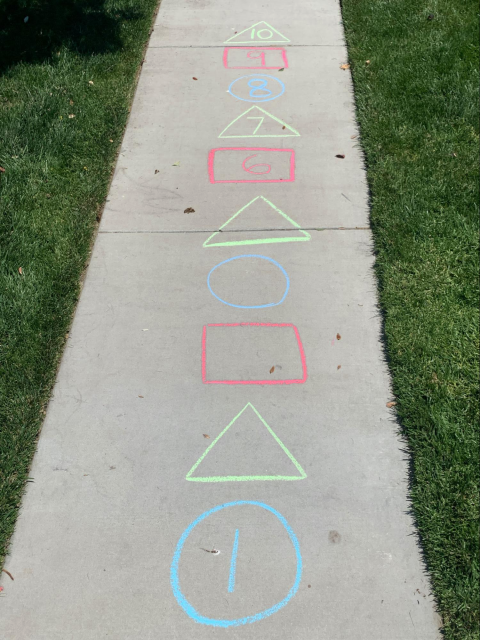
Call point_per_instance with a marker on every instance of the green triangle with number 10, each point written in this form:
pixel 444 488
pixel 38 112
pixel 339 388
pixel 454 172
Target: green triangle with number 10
pixel 261 32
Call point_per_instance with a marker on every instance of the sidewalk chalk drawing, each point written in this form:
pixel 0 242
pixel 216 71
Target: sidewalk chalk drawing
pixel 236 558
pixel 251 257
pixel 255 58
pixel 259 32
pixel 301 475
pixel 263 236
pixel 242 165
pixel 233 564
pixel 249 350
pixel 256 87
pixel 258 123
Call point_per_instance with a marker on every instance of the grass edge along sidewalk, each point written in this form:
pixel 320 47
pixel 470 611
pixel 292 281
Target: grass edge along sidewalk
pixel 414 67
pixel 67 79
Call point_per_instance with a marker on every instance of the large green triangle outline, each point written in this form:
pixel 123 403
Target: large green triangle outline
pixel 234 243
pixel 293 132
pixel 266 42
pixel 302 473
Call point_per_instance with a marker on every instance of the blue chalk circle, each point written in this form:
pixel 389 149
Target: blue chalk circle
pixel 213 622
pixel 260 87
pixel 256 306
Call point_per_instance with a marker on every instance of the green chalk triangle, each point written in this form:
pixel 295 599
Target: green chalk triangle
pixel 258 222
pixel 260 32
pixel 258 123
pixel 261 451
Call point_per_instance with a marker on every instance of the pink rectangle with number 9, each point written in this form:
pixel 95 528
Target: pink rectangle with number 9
pixel 251 164
pixel 255 58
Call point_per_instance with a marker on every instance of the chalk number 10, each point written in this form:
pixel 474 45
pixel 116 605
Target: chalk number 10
pixel 261 34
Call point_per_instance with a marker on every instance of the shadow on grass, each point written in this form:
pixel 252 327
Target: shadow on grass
pixel 32 31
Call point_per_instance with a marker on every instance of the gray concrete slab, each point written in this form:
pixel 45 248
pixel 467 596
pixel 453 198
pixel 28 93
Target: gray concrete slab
pixel 176 119
pixel 95 540
pixel 218 457
pixel 196 23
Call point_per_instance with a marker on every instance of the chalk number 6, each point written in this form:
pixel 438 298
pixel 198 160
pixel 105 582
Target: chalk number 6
pixel 251 168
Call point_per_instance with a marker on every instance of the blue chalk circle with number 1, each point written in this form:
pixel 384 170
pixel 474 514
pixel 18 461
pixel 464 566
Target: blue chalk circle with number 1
pixel 256 88
pixel 255 306
pixel 213 622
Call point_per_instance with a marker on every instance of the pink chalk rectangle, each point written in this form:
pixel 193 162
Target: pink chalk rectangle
pixel 255 58
pixel 250 346
pixel 251 164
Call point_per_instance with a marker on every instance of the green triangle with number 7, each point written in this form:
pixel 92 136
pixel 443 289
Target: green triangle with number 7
pixel 258 123
pixel 261 32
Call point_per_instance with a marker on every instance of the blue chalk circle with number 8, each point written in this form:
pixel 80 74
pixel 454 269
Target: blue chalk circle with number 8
pixel 256 88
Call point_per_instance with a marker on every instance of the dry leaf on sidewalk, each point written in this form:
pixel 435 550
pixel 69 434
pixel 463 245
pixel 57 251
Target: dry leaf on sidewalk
pixel 391 404
pixel 344 66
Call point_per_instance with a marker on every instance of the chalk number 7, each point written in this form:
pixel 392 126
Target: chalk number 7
pixel 261 118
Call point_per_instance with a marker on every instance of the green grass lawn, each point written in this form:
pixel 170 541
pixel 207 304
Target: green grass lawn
pixel 67 77
pixel 417 102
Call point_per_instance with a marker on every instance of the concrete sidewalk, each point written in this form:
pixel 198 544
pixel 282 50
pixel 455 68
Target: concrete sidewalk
pixel 218 458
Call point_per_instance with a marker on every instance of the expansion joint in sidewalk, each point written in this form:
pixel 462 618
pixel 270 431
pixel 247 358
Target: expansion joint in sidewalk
pixel 180 231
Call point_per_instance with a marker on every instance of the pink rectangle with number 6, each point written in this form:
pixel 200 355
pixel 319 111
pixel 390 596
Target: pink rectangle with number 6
pixel 251 164
pixel 255 58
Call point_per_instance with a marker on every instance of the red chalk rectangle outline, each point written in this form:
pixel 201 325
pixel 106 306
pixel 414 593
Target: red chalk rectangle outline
pixel 211 159
pixel 284 57
pixel 252 324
